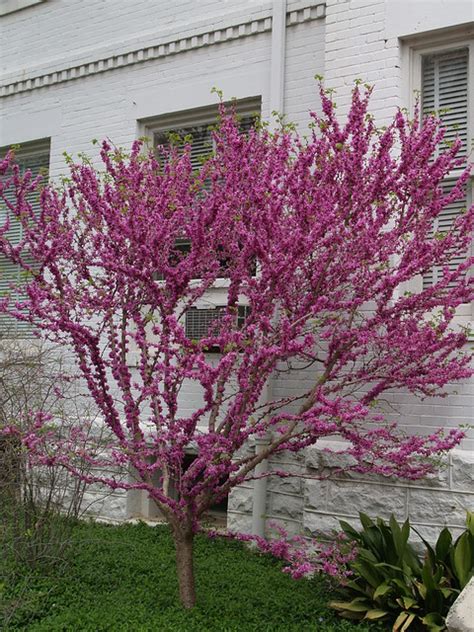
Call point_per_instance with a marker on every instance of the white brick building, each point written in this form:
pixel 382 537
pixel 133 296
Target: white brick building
pixel 74 70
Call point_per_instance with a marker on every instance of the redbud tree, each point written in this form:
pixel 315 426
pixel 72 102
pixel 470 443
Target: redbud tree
pixel 317 235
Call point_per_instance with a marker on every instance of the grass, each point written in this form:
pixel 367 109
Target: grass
pixel 123 579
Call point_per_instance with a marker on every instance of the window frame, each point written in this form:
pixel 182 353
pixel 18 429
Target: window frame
pixel 423 45
pixel 25 152
pixel 196 117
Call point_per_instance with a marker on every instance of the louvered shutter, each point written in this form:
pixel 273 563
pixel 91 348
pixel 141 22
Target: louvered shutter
pixel 445 91
pixel 442 224
pixel 37 163
pixel 199 137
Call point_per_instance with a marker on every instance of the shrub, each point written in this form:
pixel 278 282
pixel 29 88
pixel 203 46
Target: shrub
pixel 392 582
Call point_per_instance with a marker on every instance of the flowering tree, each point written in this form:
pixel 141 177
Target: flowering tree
pixel 317 236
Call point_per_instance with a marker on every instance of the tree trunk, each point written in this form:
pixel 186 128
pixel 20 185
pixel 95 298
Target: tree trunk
pixel 183 541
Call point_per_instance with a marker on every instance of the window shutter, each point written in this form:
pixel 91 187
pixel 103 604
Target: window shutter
pixel 200 139
pixel 445 91
pixel 38 163
pixel 442 224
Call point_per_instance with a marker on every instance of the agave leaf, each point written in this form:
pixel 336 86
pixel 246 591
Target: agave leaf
pixel 408 602
pixel 353 585
pixel 470 522
pixel 382 590
pixel 430 550
pixel 368 572
pixel 443 544
pixel 347 614
pixel 402 585
pixel 434 622
pixel 376 614
pixel 399 621
pixel 356 605
pixel 448 592
pixel 408 622
pixel 421 589
pixel 365 521
pixel 396 535
pixel 463 559
pixel 349 530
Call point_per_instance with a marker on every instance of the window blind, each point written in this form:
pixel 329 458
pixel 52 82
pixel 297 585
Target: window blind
pixel 445 91
pixel 37 161
pixel 443 224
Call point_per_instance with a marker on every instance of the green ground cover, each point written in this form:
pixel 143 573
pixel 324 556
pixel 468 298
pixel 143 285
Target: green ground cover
pixel 123 579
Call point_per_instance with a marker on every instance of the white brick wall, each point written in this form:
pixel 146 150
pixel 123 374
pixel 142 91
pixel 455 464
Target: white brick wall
pixel 62 39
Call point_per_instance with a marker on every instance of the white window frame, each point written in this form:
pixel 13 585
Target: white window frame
pixel 413 51
pixel 206 115
pixel 26 151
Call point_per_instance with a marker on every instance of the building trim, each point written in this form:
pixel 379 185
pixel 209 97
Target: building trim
pixel 160 48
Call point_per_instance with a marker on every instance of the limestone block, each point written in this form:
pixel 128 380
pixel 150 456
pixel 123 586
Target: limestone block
pixel 430 534
pixel 315 494
pixel 241 499
pixel 380 501
pixel 318 458
pixel 319 525
pixel 461 615
pixel 462 474
pixel 426 505
pixel 287 485
pixel 112 507
pixel 240 523
pixel 291 527
pixel 437 479
pixel 283 505
pixel 288 458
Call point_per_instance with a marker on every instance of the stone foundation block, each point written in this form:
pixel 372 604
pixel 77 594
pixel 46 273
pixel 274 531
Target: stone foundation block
pixel 427 506
pixel 282 505
pixel 350 498
pixel 461 616
pixel 241 499
pixel 462 473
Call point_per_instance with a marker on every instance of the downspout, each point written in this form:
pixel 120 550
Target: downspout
pixel 277 91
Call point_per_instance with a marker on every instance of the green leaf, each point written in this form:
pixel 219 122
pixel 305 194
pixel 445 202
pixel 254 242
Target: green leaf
pixel 463 558
pixel 443 544
pixel 366 522
pixel 349 531
pixel 356 605
pixel 470 522
pixel 376 614
pixel 399 621
pixel 408 622
pixel 367 571
pixel 382 590
pixel 434 622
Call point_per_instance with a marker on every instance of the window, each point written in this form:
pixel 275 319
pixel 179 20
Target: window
pixel 445 91
pixel 446 88
pixel 33 157
pixel 196 125
pixel 203 323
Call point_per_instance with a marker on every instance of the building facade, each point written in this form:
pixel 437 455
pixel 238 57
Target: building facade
pixel 77 70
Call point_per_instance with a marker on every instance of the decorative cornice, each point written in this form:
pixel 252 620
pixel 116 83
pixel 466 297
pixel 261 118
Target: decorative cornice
pixel 300 12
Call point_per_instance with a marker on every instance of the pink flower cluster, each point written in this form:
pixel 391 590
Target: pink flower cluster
pixel 303 556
